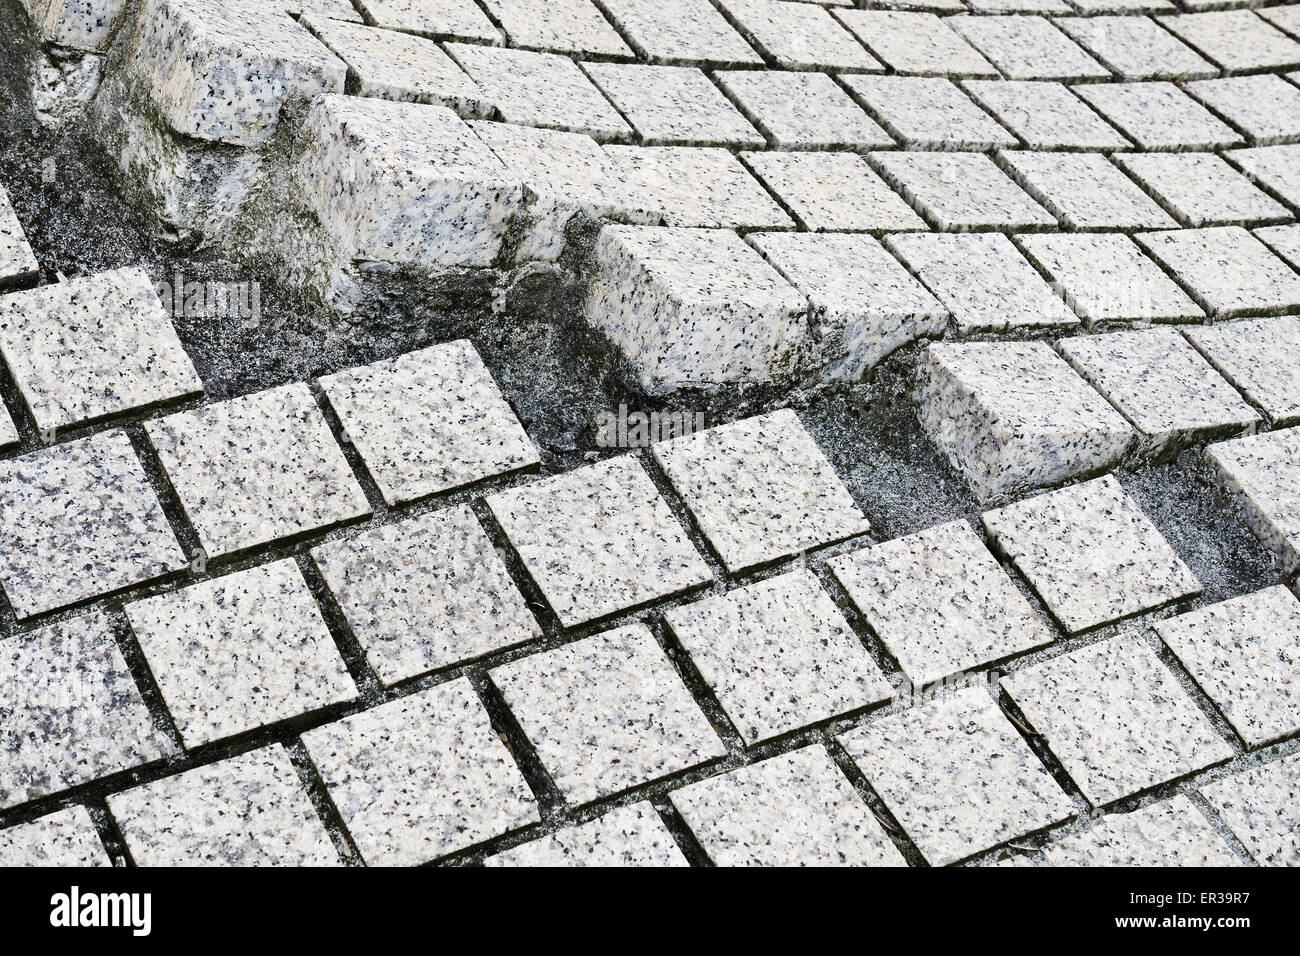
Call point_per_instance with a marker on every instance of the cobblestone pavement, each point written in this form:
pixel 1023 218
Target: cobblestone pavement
pixel 968 333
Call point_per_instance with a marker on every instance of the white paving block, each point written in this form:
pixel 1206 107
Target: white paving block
pixel 559 26
pixel 1276 167
pixel 1262 358
pixel 1137 48
pixel 1085 191
pixel 437 19
pixel 1227 270
pixel 961 191
pixel 1045 115
pixel 928 112
pixel 1265 107
pixel 629 836
pixel 1028 48
pixel 1158 116
pixel 915 43
pixel 1236 40
pixel 65 838
pixel 1263 473
pixel 1260 807
pixel 75 24
pixel 799 36
pixel 1171 833
pixel 680 31
pixel 1202 190
pixel 797 110
pixel 673 105
pixel 832 191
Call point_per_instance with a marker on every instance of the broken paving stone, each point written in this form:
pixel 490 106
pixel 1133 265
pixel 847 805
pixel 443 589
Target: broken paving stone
pixel 559 26
pixel 961 191
pixel 1085 191
pixel 928 112
pixel 629 836
pixel 1045 115
pixel 439 19
pixel 832 191
pixel 16 260
pixel 799 36
pixel 1236 40
pixel 1227 270
pixel 1262 808
pixel 690 32
pixel 915 43
pixel 1158 115
pixel 1202 190
pixel 1137 48
pixel 797 110
pixel 1170 833
pixel 65 838
pixel 1028 48
pixel 422 776
pixel 1261 357
pixel 1263 473
pixel 1265 107
pixel 673 105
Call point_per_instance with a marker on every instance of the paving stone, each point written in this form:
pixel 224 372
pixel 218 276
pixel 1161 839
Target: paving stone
pixel 1275 167
pixel 450 206
pixel 1116 718
pixel 673 105
pixel 421 776
pixel 1012 415
pixel 917 43
pixel 93 346
pixel 63 839
pixel 1262 358
pixel 540 89
pixel 79 520
pixel 797 110
pixel 1085 191
pixel 331 9
pixel 1092 7
pixel 1090 553
pixel 779 655
pixel 1045 115
pixel 1262 808
pixel 629 836
pixel 607 713
pixel 864 303
pixel 1286 18
pixel 249 810
pixel 983 280
pixel 958 191
pixel 1284 240
pixel 957 776
pixel 1170 833
pixel 74 24
pixel 1227 270
pixel 1105 277
pixel 1263 474
pixel 693 307
pixel 832 191
pixel 598 540
pixel 928 112
pixel 255 469
pixel 1236 40
pixel 222 72
pixel 692 32
pixel 560 26
pixel 798 36
pixel 1019 6
pixel 1137 48
pixel 760 489
pixel 440 19
pixel 71 710
pixel 1028 48
pixel 8 430
pixel 797 809
pixel 240 652
pixel 1158 115
pixel 1265 107
pixel 1202 190
pixel 16 260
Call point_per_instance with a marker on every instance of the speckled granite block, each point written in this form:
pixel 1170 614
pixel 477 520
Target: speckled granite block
pixel 915 43
pixel 864 303
pixel 1276 167
pixel 65 838
pixel 1263 473
pixel 1265 107
pixel 425 593
pixel 928 112
pixel 1286 18
pixel 1106 278
pixel 77 521
pixel 957 776
pixel 629 836
pixel 254 469
pixel 331 9
pixel 960 191
pixel 560 26
pixel 405 182
pixel 1090 553
pixel 1116 718
pixel 93 346
pixel 1085 191
pixel 1284 240
pixel 222 72
pixel 598 539
pixel 1028 48
pixel 1045 115
pixel 249 810
pixel 760 489
pixel 1170 833
pixel 607 713
pixel 75 24
pixel 71 710
pixel 832 191
pixel 673 105
pixel 1158 116
pixel 680 31
pixel 797 809
pixel 8 430
pixel 1262 807
pixel 1202 190
pixel 429 421
pixel 797 110
pixel 799 36
pixel 240 652
pixel 983 280
pixel 940 602
pixel 690 308
pixel 440 19
pixel 1227 270
pixel 1137 48
pixel 16 260
pixel 1236 40
pixel 779 655
pixel 1262 358
pixel 421 776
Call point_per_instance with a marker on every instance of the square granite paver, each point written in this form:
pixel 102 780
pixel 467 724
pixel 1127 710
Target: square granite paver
pixel 16 260
pixel 1237 40
pixel 607 713
pixel 239 652
pixel 1263 473
pixel 1265 107
pixel 1137 48
pixel 797 110
pixel 799 36
pixel 79 520
pixel 1090 553
pixel 559 26
pixel 1045 115
pixel 421 776
pixel 1028 48
pixel 8 430
pixel 940 602
pixel 1227 270
pixel 915 42
pixel 779 655
pixel 833 191
pixel 1202 190
pixel 1284 240
pixel 1158 115
pixel 957 776
pixel 629 836
pixel 93 346
pixel 429 421
pixel 1261 357
pixel 673 105
pixel 928 112
pixel 71 710
pixel 1171 833
pixel 1275 167
pixel 441 19
pixel 760 489
pixel 249 810
pixel 1246 654
pixel 65 838
pixel 251 470
pixel 961 191
pixel 680 31
pixel 797 809
pixel 1085 191
pixel 1262 808
pixel 598 539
